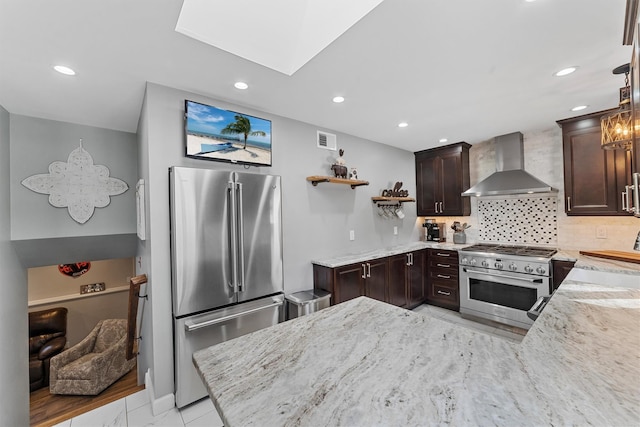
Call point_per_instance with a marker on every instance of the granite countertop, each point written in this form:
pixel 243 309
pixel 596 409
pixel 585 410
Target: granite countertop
pixel 598 264
pixel 365 363
pixel 582 261
pixel 353 258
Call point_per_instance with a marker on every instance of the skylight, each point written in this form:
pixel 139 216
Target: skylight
pixel 279 34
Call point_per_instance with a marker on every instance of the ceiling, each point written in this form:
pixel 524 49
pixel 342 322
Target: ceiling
pixel 465 70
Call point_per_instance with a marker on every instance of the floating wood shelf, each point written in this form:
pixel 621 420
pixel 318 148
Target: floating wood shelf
pixel 315 179
pixel 392 199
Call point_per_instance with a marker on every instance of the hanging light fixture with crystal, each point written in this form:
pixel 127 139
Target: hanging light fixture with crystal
pixel 616 127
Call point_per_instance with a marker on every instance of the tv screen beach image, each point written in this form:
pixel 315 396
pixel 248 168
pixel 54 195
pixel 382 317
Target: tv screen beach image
pixel 217 134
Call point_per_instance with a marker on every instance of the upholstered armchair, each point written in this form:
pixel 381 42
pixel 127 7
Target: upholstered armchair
pixel 47 337
pixel 94 363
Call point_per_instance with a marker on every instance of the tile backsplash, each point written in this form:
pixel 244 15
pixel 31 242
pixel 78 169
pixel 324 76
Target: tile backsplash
pixel 521 220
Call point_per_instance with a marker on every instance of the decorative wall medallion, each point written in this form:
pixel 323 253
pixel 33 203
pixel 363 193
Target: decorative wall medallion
pixel 78 185
pixel 74 270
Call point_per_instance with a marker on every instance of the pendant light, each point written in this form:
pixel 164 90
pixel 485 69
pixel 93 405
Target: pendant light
pixel 617 132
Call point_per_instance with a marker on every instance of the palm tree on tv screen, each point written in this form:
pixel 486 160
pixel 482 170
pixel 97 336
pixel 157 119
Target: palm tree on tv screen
pixel 242 125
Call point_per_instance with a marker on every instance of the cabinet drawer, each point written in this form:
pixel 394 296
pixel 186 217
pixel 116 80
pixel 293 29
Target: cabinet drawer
pixel 444 275
pixel 442 257
pixel 444 294
pixel 446 263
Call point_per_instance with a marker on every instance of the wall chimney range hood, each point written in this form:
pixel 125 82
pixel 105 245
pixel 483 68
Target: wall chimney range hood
pixel 510 177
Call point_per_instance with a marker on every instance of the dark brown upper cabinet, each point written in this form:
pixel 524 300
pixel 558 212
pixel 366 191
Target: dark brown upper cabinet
pixel 442 174
pixel 594 179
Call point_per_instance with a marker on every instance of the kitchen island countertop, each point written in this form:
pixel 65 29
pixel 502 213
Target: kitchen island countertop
pixel 364 363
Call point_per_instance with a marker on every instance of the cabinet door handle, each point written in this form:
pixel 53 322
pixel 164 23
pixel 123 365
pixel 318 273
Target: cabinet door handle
pixel 444 265
pixel 443 277
pixel 364 271
pixel 368 270
pixel 441 210
pixel 436 207
pixel 568 203
pixel 444 293
pixel 439 254
pixel 411 257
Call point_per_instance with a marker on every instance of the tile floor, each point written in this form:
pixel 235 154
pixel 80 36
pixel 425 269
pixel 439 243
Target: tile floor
pixel 135 410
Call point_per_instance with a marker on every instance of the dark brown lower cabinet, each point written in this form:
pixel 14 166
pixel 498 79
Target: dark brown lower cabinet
pixel 368 278
pixel 416 278
pixel 406 279
pixel 442 279
pixel 376 279
pixel 398 265
pixel 560 270
pixel 397 279
pixel 351 282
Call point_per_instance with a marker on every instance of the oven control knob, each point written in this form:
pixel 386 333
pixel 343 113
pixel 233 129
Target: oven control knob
pixel 464 261
pixel 485 263
pixel 498 265
pixel 473 261
pixel 541 270
pixel 513 266
pixel 528 269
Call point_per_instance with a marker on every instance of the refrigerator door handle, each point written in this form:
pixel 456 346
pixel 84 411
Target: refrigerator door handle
pixel 240 232
pixel 233 227
pixel 189 327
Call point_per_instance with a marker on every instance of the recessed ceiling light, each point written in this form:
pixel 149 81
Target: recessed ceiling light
pixel 443 140
pixel 565 71
pixel 338 99
pixel 579 107
pixel 241 85
pixel 64 70
pixel 403 124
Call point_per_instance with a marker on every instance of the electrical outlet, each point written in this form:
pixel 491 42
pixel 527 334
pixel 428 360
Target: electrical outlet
pixel 395 230
pixel 352 235
pixel 601 232
pixel 91 288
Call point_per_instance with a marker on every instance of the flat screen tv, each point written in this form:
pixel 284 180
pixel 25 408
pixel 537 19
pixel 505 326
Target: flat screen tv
pixel 226 136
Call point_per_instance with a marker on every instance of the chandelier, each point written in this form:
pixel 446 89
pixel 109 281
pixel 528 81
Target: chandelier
pixel 616 127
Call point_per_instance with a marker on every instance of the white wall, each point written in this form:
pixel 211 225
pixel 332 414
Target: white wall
pixel 14 371
pixel 316 220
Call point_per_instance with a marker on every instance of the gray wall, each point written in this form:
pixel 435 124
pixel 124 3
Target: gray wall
pixel 14 372
pixel 316 220
pixel 35 143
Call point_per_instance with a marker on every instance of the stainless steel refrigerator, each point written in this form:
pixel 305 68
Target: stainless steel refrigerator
pixel 226 250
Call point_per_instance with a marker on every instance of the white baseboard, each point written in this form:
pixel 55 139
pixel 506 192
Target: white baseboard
pixel 161 404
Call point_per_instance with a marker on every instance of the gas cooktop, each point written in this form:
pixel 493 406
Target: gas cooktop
pixel 531 251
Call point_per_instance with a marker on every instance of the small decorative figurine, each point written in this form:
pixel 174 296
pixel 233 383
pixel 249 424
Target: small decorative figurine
pixel 338 168
pixel 354 174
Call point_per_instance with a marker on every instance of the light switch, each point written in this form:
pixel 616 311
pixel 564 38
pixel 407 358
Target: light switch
pixel 352 235
pixel 601 232
pixel 395 230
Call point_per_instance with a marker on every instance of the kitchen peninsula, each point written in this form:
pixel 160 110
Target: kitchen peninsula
pixel 366 363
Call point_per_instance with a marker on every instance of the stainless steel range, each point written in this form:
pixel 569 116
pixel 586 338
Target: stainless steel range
pixel 502 282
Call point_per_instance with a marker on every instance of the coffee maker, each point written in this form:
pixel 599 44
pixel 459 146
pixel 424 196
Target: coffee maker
pixel 434 231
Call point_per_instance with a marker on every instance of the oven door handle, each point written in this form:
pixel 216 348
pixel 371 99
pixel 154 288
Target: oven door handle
pixel 506 276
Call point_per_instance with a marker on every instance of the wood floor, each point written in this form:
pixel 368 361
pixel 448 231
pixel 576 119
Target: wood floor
pixel 47 409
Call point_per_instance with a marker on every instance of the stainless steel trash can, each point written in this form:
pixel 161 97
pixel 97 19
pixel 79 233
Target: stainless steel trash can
pixel 306 302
